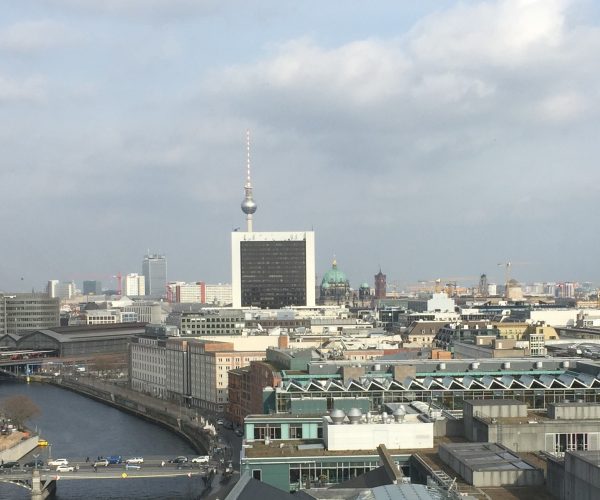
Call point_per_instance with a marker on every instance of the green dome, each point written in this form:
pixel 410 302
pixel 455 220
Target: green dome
pixel 334 276
pixel 365 285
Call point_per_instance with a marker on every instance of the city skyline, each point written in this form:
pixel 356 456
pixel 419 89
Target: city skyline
pixel 429 141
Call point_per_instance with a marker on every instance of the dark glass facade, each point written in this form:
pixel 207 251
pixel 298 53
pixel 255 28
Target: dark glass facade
pixel 273 273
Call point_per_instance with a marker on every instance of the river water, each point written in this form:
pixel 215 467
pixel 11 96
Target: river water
pixel 80 427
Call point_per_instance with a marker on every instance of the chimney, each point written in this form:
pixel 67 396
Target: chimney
pixel 283 341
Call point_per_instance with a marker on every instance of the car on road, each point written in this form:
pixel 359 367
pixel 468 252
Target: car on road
pixel 220 421
pixel 101 463
pixel 58 461
pixel 132 466
pixel 203 459
pixel 178 460
pixel 10 465
pixel 134 460
pixel 115 459
pixel 65 468
pixel 33 464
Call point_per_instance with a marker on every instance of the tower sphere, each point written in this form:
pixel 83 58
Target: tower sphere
pixel 248 206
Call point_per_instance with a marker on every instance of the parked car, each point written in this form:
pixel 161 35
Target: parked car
pixel 58 461
pixel 220 421
pixel 65 468
pixel 178 460
pixel 101 463
pixel 135 460
pixel 203 459
pixel 10 465
pixel 33 464
pixel 115 459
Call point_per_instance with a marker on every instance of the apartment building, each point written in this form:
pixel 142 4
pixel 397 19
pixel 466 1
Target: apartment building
pixel 209 364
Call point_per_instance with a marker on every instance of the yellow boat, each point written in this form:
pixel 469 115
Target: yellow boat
pixel 42 442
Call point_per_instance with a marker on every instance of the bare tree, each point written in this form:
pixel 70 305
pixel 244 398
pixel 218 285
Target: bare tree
pixel 19 409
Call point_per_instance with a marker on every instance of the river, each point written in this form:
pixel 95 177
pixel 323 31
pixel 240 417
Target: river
pixel 80 427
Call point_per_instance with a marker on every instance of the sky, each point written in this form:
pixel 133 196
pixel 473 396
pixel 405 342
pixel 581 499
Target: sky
pixel 431 139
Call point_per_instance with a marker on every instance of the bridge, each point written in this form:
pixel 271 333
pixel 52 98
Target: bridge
pixel 42 482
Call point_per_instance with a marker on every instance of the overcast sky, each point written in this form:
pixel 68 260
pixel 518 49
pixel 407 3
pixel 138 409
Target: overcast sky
pixel 432 138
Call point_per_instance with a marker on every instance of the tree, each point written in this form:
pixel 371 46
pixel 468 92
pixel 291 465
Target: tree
pixel 19 409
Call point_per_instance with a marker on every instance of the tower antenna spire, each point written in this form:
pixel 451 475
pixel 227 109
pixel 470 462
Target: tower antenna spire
pixel 248 205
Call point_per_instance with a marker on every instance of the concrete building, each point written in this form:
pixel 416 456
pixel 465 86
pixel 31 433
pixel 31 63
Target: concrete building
pixel 218 294
pixel 273 270
pixel 147 366
pixel 28 311
pixel 576 476
pixel 154 269
pixel 208 321
pixel 102 317
pixel 566 426
pixel 187 293
pixel 146 311
pixel 134 285
pixel 490 465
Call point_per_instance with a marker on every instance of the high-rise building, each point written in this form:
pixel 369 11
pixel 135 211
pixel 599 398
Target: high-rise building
pixel 270 270
pixel 380 285
pixel 92 287
pixel 28 311
pixel 154 269
pixel 134 285
pixel 273 270
pixel 62 290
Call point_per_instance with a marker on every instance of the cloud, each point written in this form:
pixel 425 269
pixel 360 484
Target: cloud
pixel 31 89
pixel 34 36
pixel 142 9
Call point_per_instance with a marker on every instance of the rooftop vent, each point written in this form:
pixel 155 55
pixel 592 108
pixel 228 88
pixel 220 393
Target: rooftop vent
pixel 354 415
pixel 399 414
pixel 337 416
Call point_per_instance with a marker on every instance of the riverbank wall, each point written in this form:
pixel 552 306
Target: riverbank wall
pixel 19 450
pixel 156 411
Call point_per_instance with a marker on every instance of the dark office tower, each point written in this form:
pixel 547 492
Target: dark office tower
pixel 380 285
pixel 273 270
pixel 154 269
pixel 92 287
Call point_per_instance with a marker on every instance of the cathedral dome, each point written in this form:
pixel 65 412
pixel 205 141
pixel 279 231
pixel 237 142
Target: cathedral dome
pixel 334 276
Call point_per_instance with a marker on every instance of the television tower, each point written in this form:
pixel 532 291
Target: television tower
pixel 248 205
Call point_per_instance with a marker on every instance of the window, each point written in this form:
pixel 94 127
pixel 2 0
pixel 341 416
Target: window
pixel 257 474
pixel 296 431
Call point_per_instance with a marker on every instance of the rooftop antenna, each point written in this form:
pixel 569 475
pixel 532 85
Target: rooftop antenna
pixel 248 205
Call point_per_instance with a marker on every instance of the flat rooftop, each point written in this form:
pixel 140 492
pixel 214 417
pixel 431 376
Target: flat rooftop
pixel 310 448
pixel 487 457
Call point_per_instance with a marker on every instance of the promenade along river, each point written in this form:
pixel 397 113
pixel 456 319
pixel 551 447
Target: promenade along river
pixel 80 427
